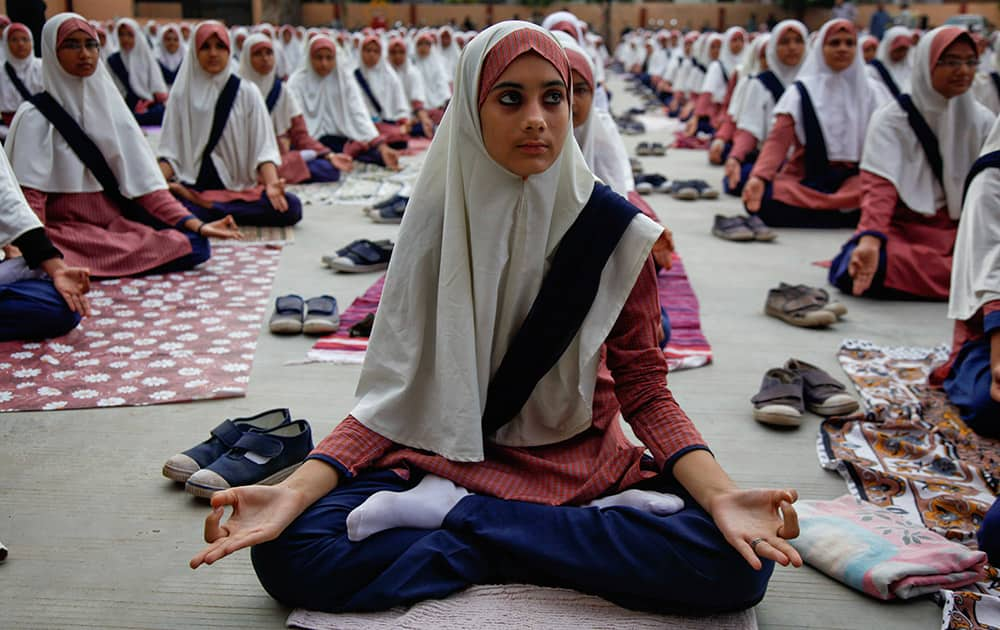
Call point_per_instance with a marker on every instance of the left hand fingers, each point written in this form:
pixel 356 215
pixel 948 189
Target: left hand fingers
pixel 790 521
pixel 768 549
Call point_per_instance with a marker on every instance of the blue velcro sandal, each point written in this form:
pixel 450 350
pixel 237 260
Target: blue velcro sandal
pixel 288 313
pixel 360 256
pixel 264 458
pixel 223 437
pixel 392 213
pixel 322 317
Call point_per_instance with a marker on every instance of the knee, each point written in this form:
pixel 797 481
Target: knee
pixel 983 413
pixel 201 250
pixel 296 572
pixel 294 213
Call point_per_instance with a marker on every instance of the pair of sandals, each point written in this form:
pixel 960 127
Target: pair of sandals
pixel 361 256
pixel 692 190
pixel 742 228
pixel 651 148
pixel 803 306
pixel 786 392
pixel 315 316
pixel 652 182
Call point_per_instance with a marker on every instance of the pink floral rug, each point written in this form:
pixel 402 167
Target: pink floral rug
pixel 158 339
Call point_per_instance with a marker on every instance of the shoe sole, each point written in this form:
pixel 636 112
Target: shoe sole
pixel 777 419
pixel 686 195
pixel 386 221
pixel 812 322
pixel 285 328
pixel 710 195
pixel 336 266
pixel 742 238
pixel 322 327
pixel 206 492
pixel 841 409
pixel 177 474
pixel 837 309
pixel 765 238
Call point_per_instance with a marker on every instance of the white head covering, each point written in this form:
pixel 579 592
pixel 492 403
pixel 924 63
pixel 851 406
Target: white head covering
pixel 785 73
pixel 756 112
pixel 41 157
pixel 449 56
pixel 413 82
pixel 729 59
pixel 473 249
pixel 172 60
pixel 555 19
pixel 721 70
pixel 144 73
pixel 975 269
pixel 287 107
pixel 29 70
pixel 901 71
pixel 748 71
pixel 960 124
pixel 16 216
pixel 385 86
pixel 247 140
pixel 437 81
pixel 332 105
pixel 844 101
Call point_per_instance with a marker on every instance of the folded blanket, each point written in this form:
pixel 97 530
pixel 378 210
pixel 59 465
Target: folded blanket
pixel 881 553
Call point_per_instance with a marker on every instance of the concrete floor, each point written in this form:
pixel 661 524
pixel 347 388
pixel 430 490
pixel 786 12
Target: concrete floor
pixel 99 539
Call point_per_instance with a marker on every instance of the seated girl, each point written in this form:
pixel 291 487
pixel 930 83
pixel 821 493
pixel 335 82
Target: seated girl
pixel 678 73
pixel 726 53
pixel 783 53
pixel 92 179
pixel 753 64
pixel 303 158
pixel 218 147
pixel 891 68
pixel 334 108
pixel 22 75
pixel 413 87
pixel 702 107
pixel 40 296
pixel 869 48
pixel 437 81
pixel 383 94
pixel 429 486
pixel 971 377
pixel 170 52
pixel 137 74
pixel 822 120
pixel 987 84
pixel 448 51
pixel 912 175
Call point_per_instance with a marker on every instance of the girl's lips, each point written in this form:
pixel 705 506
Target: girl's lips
pixel 533 148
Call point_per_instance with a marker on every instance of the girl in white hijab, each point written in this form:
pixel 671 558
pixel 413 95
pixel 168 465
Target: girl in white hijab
pixel 490 223
pixel 448 52
pixel 437 81
pixel 971 377
pixel 303 158
pixel 892 64
pixel 754 62
pixel 413 86
pixel 784 52
pixel 138 228
pixel 987 84
pixel 912 201
pixel 333 107
pixel 240 177
pixel 22 70
pixel 137 73
pixel 678 75
pixel 383 93
pixel 170 49
pixel 41 297
pixel 822 121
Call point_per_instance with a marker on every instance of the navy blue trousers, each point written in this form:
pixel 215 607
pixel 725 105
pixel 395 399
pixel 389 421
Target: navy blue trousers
pixel 989 533
pixel 201 250
pixel 320 170
pixel 777 214
pixel 33 309
pixel 259 212
pixel 152 117
pixel 337 144
pixel 669 564
pixel 968 388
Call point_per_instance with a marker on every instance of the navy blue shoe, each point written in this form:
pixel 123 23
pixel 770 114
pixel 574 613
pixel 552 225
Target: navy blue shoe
pixel 392 213
pixel 322 316
pixel 223 437
pixel 265 458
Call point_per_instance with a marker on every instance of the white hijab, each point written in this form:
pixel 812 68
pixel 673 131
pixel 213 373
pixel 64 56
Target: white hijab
pixel 41 157
pixel 900 72
pixel 413 83
pixel 844 101
pixel 473 249
pixel 748 71
pixel 960 124
pixel 144 74
pixel 386 88
pixel 449 56
pixel 785 73
pixel 172 60
pixel 247 140
pixel 332 105
pixel 29 70
pixel 756 112
pixel 437 81
pixel 16 216
pixel 287 107
pixel 975 269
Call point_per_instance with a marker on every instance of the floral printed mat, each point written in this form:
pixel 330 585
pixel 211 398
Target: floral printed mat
pixel 157 339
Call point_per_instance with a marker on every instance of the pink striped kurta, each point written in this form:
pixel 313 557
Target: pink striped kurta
pixel 90 230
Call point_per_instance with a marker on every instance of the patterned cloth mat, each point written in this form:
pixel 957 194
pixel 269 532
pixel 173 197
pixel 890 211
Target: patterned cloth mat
pixel 500 607
pixel 910 452
pixel 367 184
pixel 687 349
pixel 157 339
pixel 255 234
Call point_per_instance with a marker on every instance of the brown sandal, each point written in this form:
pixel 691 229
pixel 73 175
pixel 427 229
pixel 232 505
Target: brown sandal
pixel 794 307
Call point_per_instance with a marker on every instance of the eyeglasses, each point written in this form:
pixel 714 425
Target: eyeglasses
pixel 73 44
pixel 955 64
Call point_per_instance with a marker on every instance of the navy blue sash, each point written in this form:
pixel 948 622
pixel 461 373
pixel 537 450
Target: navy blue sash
pixel 725 75
pixel 90 155
pixel 273 95
pixel 16 80
pixel 208 177
pixel 989 160
pixel 118 67
pixel 698 65
pixel 772 83
pixel 886 77
pixel 563 301
pixel 996 82
pixel 367 90
pixel 925 135
pixel 168 75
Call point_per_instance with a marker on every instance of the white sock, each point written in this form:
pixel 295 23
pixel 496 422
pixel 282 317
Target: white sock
pixel 658 503
pixel 425 506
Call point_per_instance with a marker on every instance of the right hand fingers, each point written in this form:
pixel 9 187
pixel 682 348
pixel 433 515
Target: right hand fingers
pixel 213 524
